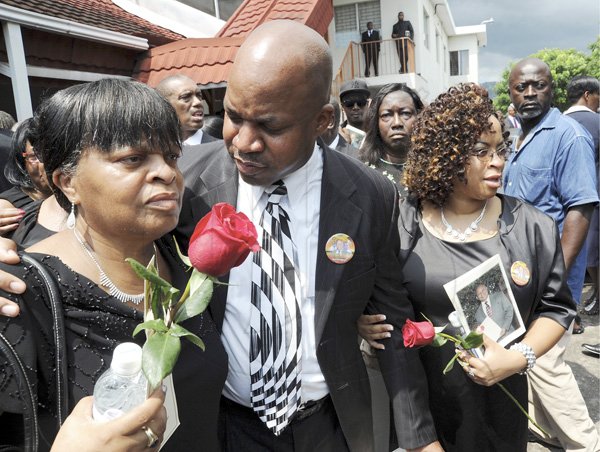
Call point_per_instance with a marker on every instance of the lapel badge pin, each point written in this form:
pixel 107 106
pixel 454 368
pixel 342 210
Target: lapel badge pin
pixel 520 273
pixel 339 248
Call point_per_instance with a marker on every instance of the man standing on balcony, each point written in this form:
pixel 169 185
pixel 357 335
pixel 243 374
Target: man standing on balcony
pixel 370 45
pixel 403 29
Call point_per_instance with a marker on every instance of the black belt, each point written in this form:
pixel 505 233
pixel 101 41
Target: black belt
pixel 304 411
pixel 309 408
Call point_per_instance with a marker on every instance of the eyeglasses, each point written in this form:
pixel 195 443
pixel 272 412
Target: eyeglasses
pixel 349 103
pixel 485 155
pixel 31 158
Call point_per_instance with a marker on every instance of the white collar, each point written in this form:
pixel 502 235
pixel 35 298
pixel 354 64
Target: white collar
pixel 574 108
pixel 295 182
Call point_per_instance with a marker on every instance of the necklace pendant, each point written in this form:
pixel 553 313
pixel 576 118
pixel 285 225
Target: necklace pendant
pixel 474 226
pixel 461 237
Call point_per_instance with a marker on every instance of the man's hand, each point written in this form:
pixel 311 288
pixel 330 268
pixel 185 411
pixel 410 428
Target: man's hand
pixel 9 283
pixel 82 433
pixel 371 330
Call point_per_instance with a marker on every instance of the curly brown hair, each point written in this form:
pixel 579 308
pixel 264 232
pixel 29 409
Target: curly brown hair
pixel 443 134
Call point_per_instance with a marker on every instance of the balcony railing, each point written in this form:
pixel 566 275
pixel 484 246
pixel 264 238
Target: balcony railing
pixel 388 59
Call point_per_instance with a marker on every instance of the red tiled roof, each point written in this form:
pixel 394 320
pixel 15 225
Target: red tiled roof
pixel 99 13
pixel 207 61
pixel 316 14
pixel 204 60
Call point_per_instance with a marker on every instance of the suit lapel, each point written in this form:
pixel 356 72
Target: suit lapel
pixel 220 184
pixel 338 214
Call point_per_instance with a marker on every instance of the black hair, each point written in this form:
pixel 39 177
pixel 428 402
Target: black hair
pixel 102 115
pixel 15 170
pixel 213 125
pixel 579 85
pixel 372 148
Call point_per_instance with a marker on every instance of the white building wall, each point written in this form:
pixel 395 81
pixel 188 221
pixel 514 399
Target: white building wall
pixel 432 73
pixel 466 42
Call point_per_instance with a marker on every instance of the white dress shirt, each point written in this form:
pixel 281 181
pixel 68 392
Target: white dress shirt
pixel 303 206
pixel 195 138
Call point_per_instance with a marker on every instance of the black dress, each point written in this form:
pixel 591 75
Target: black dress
pixel 468 417
pixel 394 172
pixel 29 232
pixel 95 323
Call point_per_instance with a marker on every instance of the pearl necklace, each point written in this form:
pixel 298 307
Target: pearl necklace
pixel 105 281
pixel 462 236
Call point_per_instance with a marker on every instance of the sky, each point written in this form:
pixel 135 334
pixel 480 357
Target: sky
pixel 522 27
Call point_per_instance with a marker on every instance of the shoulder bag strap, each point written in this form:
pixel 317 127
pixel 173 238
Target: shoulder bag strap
pixel 58 329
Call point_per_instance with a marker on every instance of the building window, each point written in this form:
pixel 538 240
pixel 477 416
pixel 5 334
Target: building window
pixel 459 62
pixel 351 20
pixel 425 28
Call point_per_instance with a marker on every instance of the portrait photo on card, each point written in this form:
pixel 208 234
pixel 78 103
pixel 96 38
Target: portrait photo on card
pixel 484 301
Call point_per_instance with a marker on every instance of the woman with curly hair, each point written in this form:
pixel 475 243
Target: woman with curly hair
pixel 389 123
pixel 453 220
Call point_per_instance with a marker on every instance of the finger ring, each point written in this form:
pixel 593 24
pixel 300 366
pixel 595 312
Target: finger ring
pixel 471 373
pixel 152 437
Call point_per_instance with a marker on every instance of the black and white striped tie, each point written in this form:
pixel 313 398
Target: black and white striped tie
pixel 275 322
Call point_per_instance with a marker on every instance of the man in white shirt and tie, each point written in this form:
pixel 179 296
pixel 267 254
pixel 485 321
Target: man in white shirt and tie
pixel 314 395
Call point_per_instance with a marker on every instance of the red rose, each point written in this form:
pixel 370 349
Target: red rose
pixel 222 240
pixel 416 334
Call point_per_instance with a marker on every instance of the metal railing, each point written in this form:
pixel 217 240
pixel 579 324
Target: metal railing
pixel 388 59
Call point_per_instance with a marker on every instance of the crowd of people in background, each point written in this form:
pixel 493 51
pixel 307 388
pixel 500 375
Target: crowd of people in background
pixel 421 193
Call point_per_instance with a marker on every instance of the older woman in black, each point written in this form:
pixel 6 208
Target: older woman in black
pixel 390 121
pixel 110 150
pixel 453 172
pixel 26 173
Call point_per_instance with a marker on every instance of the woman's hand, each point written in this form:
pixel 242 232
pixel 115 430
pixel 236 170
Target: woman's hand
pixel 371 330
pixel 431 447
pixel 496 365
pixel 82 433
pixel 10 219
pixel 9 283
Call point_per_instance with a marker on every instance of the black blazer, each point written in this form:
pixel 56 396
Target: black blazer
pixel 363 204
pixel 374 37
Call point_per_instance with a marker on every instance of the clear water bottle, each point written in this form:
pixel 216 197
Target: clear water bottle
pixel 123 386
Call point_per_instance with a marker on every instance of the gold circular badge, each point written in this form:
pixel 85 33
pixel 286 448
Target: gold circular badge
pixel 339 248
pixel 520 273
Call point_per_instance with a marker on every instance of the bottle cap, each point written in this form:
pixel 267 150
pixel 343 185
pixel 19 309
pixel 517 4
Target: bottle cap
pixel 127 359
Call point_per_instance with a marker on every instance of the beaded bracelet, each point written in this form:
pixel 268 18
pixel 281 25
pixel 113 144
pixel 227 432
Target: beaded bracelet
pixel 527 352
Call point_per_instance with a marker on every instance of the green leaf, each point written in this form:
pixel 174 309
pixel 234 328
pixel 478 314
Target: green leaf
pixel 201 288
pixel 183 257
pixel 159 356
pixel 149 274
pixel 170 297
pixel 179 331
pixel 438 341
pixel 472 340
pixel 156 325
pixel 450 365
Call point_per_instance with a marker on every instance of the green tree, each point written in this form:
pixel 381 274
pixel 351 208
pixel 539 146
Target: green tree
pixel 593 65
pixel 564 65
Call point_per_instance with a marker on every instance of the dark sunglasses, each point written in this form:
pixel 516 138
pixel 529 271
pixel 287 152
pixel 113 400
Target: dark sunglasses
pixel 349 103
